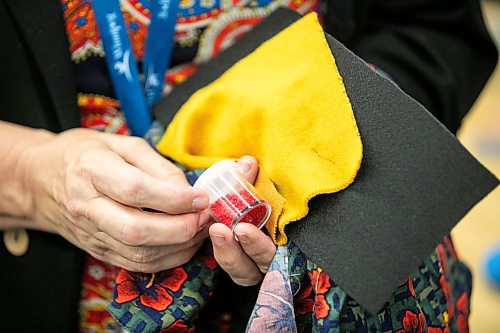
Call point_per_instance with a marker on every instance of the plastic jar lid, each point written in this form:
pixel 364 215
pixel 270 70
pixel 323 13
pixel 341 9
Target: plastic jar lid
pixel 213 172
pixel 232 199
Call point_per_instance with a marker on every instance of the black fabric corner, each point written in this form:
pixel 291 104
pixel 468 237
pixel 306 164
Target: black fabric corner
pixel 415 183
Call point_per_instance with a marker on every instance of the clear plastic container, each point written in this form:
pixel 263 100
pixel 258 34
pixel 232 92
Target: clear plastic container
pixel 232 199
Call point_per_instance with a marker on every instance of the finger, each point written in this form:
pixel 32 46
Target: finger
pixel 139 153
pixel 231 257
pixel 132 226
pixel 64 229
pixel 249 167
pixel 122 182
pixel 144 259
pixel 256 244
pixel 143 254
pixel 160 264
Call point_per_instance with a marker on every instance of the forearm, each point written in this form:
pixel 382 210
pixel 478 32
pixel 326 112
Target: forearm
pixel 15 197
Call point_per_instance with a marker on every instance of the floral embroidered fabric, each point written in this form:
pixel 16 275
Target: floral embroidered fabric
pixel 435 298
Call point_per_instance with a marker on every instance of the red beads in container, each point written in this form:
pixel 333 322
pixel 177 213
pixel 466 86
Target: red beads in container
pixel 232 199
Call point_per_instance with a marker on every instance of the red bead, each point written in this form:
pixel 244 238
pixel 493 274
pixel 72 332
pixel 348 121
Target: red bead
pixel 255 215
pixel 226 209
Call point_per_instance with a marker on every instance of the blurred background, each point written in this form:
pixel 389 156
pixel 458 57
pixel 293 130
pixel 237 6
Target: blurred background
pixel 478 234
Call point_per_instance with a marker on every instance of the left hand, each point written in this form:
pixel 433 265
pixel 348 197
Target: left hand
pixel 247 259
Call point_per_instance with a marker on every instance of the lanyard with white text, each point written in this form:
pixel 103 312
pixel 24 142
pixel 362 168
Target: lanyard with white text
pixel 159 46
pixel 121 62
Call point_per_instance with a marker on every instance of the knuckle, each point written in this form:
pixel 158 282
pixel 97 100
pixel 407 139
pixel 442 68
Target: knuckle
pixel 132 234
pixel 139 143
pixel 137 255
pixel 175 177
pixel 175 199
pixel 98 252
pixel 133 190
pixel 84 164
pixel 188 228
pixel 144 255
pixel 228 263
pixel 259 256
pixel 75 208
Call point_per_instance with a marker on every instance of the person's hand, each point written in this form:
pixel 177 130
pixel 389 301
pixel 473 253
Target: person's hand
pixel 247 259
pixel 92 188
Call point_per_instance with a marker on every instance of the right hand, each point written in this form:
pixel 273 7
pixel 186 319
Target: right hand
pixel 91 188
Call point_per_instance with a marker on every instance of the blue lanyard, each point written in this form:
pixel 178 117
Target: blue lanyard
pixel 122 66
pixel 159 46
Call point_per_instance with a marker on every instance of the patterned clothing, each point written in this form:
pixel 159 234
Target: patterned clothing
pixel 296 295
pixel 435 298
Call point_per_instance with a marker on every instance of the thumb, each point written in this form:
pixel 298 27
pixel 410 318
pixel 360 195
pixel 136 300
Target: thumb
pixel 249 167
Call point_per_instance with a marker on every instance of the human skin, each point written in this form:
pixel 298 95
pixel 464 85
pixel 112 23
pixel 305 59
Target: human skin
pixel 91 188
pixel 248 258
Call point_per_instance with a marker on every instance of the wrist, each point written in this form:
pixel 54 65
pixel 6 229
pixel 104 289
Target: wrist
pixel 16 195
pixel 28 169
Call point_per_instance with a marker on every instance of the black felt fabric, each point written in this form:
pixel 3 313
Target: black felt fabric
pixel 416 181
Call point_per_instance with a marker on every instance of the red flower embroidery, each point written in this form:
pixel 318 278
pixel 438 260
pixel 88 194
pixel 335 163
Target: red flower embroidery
pixel 151 289
pixel 321 307
pixel 413 323
pixel 321 282
pixel 437 330
pixel 173 278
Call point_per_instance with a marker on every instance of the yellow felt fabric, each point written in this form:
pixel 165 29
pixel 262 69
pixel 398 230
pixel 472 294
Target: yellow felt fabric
pixel 285 104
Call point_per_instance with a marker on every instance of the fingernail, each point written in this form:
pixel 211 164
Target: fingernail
pixel 200 203
pixel 245 164
pixel 241 237
pixel 218 239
